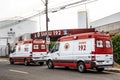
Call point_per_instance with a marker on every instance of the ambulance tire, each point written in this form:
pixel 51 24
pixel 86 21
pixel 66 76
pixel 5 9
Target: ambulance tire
pixel 50 64
pixel 100 69
pixel 81 67
pixel 11 61
pixel 67 67
pixel 26 63
pixel 41 63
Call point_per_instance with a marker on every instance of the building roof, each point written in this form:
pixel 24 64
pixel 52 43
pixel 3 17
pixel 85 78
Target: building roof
pixel 11 21
pixel 106 20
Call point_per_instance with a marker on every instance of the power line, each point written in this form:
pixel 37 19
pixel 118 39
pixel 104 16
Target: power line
pixel 71 5
pixel 61 3
pixel 52 10
pixel 80 4
pixel 43 2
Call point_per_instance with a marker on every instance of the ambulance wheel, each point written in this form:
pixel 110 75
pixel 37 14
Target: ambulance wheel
pixel 50 64
pixel 81 67
pixel 67 67
pixel 26 63
pixel 41 63
pixel 99 69
pixel 11 61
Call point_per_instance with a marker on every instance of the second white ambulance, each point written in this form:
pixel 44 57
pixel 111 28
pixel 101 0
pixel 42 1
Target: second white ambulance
pixel 29 51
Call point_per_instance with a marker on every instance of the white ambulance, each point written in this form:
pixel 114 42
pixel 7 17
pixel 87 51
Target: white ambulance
pixel 29 51
pixel 82 51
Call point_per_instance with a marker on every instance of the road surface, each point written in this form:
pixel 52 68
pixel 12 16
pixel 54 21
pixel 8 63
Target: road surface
pixel 36 72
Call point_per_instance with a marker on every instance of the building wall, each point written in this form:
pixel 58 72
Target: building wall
pixel 107 24
pixel 82 19
pixel 109 27
pixel 18 29
pixel 106 20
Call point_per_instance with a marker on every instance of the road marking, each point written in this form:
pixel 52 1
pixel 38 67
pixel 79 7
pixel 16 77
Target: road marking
pixel 18 71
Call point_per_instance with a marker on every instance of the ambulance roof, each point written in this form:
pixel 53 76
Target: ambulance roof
pixel 31 41
pixel 83 36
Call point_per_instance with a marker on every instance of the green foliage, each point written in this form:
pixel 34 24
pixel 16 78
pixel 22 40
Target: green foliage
pixel 116 47
pixel 51 45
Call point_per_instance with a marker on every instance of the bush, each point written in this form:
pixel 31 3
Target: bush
pixel 116 47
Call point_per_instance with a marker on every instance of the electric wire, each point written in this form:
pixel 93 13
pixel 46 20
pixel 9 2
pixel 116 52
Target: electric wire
pixel 54 9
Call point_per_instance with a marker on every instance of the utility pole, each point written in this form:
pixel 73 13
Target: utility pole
pixel 46 11
pixel 47 36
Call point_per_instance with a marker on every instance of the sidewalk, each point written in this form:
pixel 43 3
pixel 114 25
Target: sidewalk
pixel 3 59
pixel 114 69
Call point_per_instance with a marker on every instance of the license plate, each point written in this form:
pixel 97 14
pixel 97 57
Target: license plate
pixel 100 63
pixel 107 61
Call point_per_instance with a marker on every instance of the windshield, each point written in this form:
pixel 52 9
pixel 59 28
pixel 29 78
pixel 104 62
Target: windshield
pixel 55 48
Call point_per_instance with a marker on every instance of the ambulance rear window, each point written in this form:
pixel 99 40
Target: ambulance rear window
pixel 36 46
pixel 108 44
pixel 42 46
pixel 39 47
pixel 99 43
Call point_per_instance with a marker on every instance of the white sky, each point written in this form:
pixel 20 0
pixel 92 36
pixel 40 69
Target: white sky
pixel 63 19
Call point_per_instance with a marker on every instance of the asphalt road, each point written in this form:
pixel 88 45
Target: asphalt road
pixel 36 72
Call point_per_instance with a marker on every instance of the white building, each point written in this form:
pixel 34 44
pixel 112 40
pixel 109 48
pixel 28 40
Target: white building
pixel 14 28
pixel 108 24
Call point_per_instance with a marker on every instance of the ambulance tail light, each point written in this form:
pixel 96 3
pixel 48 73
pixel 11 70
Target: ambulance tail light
pixel 30 54
pixel 93 57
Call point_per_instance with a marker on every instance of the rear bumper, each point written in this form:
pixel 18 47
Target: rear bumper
pixel 37 60
pixel 90 65
pixel 104 66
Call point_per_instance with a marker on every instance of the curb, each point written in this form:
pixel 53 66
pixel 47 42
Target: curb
pixel 113 69
pixel 4 59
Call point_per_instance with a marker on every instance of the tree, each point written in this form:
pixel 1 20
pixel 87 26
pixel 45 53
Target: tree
pixel 116 47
